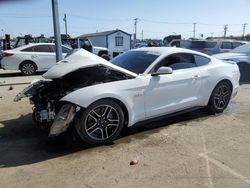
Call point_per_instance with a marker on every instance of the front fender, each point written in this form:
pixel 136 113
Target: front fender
pixel 116 90
pixel 86 96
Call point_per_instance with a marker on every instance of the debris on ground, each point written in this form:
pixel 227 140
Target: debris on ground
pixel 10 88
pixel 133 162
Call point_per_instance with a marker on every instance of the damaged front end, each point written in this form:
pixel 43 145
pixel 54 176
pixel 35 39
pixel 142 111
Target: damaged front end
pixel 45 95
pixel 79 70
pixel 63 119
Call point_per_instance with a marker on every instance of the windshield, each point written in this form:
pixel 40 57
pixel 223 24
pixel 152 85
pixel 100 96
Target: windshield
pixel 135 61
pixel 242 49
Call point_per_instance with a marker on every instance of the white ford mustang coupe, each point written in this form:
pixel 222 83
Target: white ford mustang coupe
pixel 99 97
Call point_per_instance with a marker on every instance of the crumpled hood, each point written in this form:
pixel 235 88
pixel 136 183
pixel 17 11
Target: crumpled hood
pixel 229 56
pixel 99 48
pixel 78 60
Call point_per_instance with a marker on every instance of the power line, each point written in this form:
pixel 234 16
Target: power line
pixel 163 22
pixel 112 19
pixel 24 16
pixel 99 19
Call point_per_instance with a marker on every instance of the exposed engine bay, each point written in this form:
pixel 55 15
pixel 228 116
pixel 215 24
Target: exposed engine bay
pixel 46 94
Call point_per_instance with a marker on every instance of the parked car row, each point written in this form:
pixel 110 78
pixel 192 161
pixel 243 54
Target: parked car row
pixel 209 47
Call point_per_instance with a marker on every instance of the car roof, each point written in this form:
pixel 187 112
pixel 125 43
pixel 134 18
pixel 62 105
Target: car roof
pixel 33 44
pixel 168 50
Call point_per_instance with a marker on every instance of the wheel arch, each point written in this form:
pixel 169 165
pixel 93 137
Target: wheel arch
pixel 25 61
pixel 212 107
pixel 222 80
pixel 101 52
pixel 226 80
pixel 122 105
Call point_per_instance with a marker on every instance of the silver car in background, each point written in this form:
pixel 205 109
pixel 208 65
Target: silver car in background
pixel 241 56
pixel 209 47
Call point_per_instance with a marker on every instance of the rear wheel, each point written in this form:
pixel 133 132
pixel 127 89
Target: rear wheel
pixel 28 68
pixel 101 122
pixel 220 97
pixel 105 56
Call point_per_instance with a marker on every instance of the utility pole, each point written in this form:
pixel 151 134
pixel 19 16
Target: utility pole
pixel 136 21
pixel 244 28
pixel 225 30
pixel 212 34
pixel 194 30
pixel 65 22
pixel 57 34
pixel 142 35
pixel 2 32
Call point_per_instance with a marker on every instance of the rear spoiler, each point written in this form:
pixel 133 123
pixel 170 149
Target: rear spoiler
pixel 229 61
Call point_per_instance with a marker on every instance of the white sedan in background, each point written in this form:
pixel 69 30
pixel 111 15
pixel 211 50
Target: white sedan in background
pixel 99 98
pixel 31 58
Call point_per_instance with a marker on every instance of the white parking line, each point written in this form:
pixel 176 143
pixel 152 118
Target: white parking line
pixel 206 159
pixel 225 168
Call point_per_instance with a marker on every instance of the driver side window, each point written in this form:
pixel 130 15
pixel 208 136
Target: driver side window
pixel 177 61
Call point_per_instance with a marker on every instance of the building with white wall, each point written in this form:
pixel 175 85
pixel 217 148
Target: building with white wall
pixel 117 41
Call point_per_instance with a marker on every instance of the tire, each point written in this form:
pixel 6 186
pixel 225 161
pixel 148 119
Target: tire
pixel 101 122
pixel 244 69
pixel 105 56
pixel 220 97
pixel 28 68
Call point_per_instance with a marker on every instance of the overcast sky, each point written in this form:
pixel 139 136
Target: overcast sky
pixel 157 18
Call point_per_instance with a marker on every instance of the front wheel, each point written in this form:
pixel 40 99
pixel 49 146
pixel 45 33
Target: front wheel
pixel 220 97
pixel 101 122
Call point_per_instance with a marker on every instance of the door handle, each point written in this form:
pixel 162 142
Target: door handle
pixel 34 56
pixel 195 76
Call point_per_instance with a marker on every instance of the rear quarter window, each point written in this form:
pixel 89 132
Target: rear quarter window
pixel 30 49
pixel 201 60
pixel 42 48
pixel 237 44
pixel 202 44
pixel 39 48
pixel 226 45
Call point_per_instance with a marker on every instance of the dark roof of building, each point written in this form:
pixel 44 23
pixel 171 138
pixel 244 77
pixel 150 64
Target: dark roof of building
pixel 104 33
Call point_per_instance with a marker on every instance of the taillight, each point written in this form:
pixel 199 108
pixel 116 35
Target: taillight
pixel 203 50
pixel 7 54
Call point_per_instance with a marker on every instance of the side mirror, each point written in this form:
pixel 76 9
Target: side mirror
pixel 163 70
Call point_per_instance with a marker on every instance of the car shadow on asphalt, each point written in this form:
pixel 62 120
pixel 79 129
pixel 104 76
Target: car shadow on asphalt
pixel 22 143
pixel 16 74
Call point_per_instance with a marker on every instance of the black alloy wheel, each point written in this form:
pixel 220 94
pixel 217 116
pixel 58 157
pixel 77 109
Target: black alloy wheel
pixel 101 122
pixel 220 97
